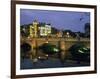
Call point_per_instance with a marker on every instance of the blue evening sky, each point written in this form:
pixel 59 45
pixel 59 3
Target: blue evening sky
pixel 71 20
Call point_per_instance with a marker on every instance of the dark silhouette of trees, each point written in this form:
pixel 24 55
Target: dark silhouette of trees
pixel 54 30
pixel 24 30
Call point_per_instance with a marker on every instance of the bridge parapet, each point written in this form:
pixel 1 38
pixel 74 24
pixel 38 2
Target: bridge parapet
pixel 65 42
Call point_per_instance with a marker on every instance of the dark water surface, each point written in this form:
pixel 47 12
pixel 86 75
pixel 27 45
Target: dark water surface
pixel 50 63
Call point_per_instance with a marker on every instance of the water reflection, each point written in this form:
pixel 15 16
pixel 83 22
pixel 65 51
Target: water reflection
pixel 38 58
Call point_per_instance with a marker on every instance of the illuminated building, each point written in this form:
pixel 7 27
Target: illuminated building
pixel 45 31
pixel 37 29
pixel 31 31
pixel 35 25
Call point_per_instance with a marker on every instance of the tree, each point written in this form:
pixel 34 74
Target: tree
pixel 54 30
pixel 65 31
pixel 24 29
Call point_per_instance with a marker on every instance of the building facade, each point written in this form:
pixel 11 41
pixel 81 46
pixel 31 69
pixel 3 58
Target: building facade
pixel 37 29
pixel 45 31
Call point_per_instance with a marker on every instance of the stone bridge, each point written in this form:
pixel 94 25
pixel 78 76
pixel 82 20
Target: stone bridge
pixel 63 43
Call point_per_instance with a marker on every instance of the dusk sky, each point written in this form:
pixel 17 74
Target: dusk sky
pixel 74 21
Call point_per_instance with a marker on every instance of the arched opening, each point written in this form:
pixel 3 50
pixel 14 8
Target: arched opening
pixel 25 48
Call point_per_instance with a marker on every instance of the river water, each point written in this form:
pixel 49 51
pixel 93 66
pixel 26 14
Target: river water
pixel 50 63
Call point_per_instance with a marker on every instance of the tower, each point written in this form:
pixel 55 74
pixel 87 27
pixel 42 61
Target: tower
pixel 31 31
pixel 35 25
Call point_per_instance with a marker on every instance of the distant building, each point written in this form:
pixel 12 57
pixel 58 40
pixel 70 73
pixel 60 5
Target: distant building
pixel 45 31
pixel 60 34
pixel 87 30
pixel 37 29
pixel 35 25
pixel 31 31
